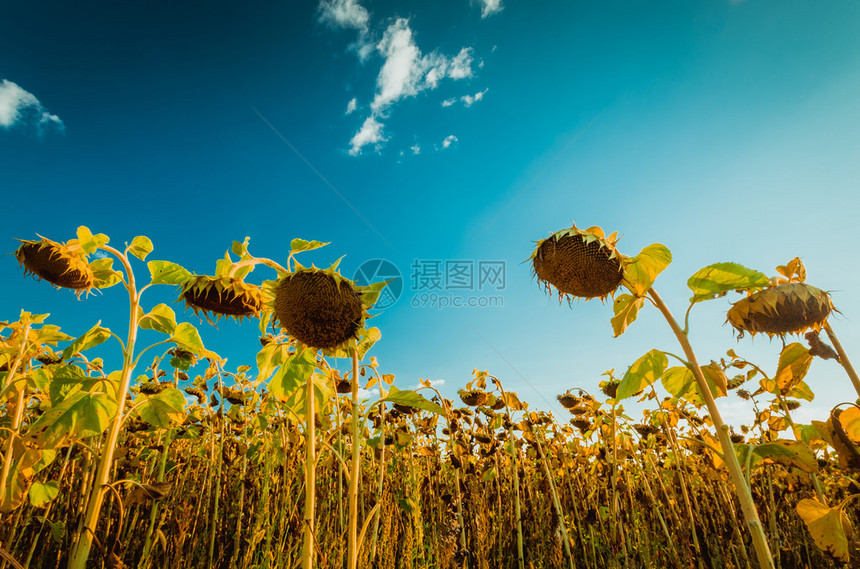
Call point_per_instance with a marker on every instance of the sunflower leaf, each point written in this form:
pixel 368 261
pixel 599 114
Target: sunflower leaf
pixel 716 280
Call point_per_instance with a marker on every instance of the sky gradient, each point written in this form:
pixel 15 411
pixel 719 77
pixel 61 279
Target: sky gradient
pixel 446 131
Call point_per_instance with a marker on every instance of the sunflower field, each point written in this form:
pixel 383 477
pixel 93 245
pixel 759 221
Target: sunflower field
pixel 173 457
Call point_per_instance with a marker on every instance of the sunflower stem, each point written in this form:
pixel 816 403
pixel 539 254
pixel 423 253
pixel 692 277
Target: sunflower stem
pixel 352 544
pixel 81 551
pixel 765 558
pixel 843 357
pixel 310 476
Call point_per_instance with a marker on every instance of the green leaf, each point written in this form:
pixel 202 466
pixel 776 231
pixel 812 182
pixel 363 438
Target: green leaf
pixel 89 242
pixel 626 308
pixel 185 335
pixel 95 336
pixel 299 245
pixel 641 270
pixel 796 454
pixel 716 280
pixel 42 493
pixel 293 374
pixel 163 409
pixel 794 362
pixel 801 391
pixel 289 383
pixel 140 247
pixel 78 416
pixel 644 371
pixel 269 358
pixel 161 318
pixel 681 383
pixel 67 379
pixel 165 272
pixel 412 399
pixel 806 433
pixel 241 249
pixel 104 274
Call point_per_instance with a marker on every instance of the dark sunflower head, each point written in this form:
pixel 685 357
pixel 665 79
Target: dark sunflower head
pixel 579 263
pixel 222 296
pixel 473 397
pixel 57 264
pixel 319 307
pixel 789 308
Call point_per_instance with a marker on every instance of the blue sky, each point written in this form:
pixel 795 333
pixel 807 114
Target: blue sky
pixel 453 130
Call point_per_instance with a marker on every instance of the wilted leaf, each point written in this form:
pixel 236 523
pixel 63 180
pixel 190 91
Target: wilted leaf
pixel 829 527
pixel 793 364
pixel 626 308
pixel 849 419
pixel 142 494
pixel 716 280
pixel 644 371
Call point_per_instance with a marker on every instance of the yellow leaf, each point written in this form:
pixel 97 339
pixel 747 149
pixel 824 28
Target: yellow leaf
pixel 827 526
pixel 850 421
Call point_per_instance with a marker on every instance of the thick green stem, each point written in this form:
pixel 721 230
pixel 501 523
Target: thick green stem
pixel 352 545
pixel 748 507
pixel 310 476
pixel 81 552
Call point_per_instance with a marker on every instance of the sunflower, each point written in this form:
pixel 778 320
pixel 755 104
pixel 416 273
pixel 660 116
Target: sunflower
pixel 579 263
pixel 222 296
pixel 789 308
pixel 56 263
pixel 319 307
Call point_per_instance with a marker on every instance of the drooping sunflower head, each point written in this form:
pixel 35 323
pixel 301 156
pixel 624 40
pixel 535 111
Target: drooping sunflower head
pixel 221 296
pixel 473 397
pixel 579 263
pixel 789 308
pixel 319 307
pixel 57 264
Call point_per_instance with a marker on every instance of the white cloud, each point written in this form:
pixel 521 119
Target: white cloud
pixel 344 14
pixel 449 102
pixel 449 140
pixel 470 100
pixel 406 72
pixel 368 394
pixel 433 383
pixel 369 133
pixel 490 7
pixel 415 149
pixel 18 106
pixel 351 106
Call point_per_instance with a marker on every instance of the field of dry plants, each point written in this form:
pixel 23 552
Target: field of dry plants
pixel 177 459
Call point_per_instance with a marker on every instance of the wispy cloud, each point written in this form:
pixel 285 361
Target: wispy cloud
pixel 405 73
pixel 351 106
pixel 490 7
pixel 369 133
pixel 467 100
pixel 344 14
pixel 20 107
pixel 415 149
pixel 449 140
pixel 433 383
